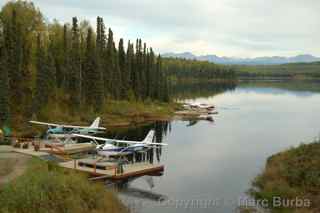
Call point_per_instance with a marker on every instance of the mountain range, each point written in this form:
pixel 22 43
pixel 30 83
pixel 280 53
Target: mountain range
pixel 245 61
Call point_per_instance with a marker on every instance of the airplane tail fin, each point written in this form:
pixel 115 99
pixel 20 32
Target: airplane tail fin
pixel 95 123
pixel 149 137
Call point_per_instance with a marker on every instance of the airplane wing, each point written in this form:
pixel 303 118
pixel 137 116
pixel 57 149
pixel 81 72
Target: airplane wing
pixel 82 127
pixel 108 140
pixel 65 126
pixel 43 123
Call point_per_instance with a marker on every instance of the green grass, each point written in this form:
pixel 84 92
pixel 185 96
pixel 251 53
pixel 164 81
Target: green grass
pixel 47 188
pixel 114 114
pixel 291 174
pixel 136 108
pixel 126 113
pixel 6 166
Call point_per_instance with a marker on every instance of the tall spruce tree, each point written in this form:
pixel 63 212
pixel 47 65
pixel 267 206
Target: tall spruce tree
pixel 117 88
pixel 166 97
pixel 149 72
pixel 56 34
pixel 4 84
pixel 65 72
pixel 13 40
pixel 158 79
pixel 51 68
pixel 75 67
pixel 123 70
pixel 129 68
pixel 26 81
pixel 135 68
pixel 143 73
pixel 42 78
pixel 153 76
pixel 101 53
pixel 101 36
pixel 93 84
pixel 108 73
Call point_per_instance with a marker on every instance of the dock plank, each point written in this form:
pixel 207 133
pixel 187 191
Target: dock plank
pixel 129 170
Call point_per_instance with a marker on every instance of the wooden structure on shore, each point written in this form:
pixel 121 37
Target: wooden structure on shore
pixel 113 171
pixel 94 167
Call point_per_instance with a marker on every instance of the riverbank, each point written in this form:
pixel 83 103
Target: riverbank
pixel 292 175
pixel 124 113
pixel 116 114
pixel 43 187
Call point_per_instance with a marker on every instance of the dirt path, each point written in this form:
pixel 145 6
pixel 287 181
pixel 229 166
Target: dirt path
pixel 12 164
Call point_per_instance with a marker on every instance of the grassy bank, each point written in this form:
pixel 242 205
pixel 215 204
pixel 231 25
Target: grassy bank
pixel 45 188
pixel 114 114
pixel 291 174
pixel 124 113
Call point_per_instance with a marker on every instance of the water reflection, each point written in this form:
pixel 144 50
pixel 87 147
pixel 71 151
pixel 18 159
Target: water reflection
pixel 201 89
pixel 205 162
pixel 300 87
pixel 146 194
pixel 193 122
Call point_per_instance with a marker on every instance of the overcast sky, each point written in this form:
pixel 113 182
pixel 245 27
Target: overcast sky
pixel 241 28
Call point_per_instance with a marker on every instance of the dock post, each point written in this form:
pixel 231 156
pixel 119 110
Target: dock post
pixel 75 163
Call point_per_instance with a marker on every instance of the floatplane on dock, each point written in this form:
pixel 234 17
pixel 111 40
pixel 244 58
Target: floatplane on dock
pixel 199 106
pixel 110 149
pixel 98 168
pixel 197 111
pixel 56 131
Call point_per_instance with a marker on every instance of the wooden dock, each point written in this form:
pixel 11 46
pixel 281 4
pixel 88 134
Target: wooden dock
pixel 113 170
pixel 67 149
pixel 110 171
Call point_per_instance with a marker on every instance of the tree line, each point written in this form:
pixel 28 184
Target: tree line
pixel 72 63
pixel 183 69
pixel 77 67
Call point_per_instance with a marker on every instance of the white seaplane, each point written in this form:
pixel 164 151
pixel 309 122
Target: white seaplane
pixel 200 106
pixel 110 149
pixel 65 131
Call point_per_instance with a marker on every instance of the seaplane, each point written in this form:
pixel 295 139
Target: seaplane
pixel 109 148
pixel 66 131
pixel 202 106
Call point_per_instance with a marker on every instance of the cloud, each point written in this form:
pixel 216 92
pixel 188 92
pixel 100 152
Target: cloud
pixel 244 28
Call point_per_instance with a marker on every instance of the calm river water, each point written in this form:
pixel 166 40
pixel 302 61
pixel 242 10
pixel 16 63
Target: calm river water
pixel 209 165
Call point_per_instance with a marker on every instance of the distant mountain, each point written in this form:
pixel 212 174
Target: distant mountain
pixel 245 61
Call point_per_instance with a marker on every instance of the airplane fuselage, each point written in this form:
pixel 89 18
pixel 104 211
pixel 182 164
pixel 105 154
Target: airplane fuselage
pixel 110 149
pixel 65 131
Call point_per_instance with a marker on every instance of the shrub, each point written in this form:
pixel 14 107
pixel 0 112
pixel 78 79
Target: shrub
pixel 290 174
pixel 44 188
